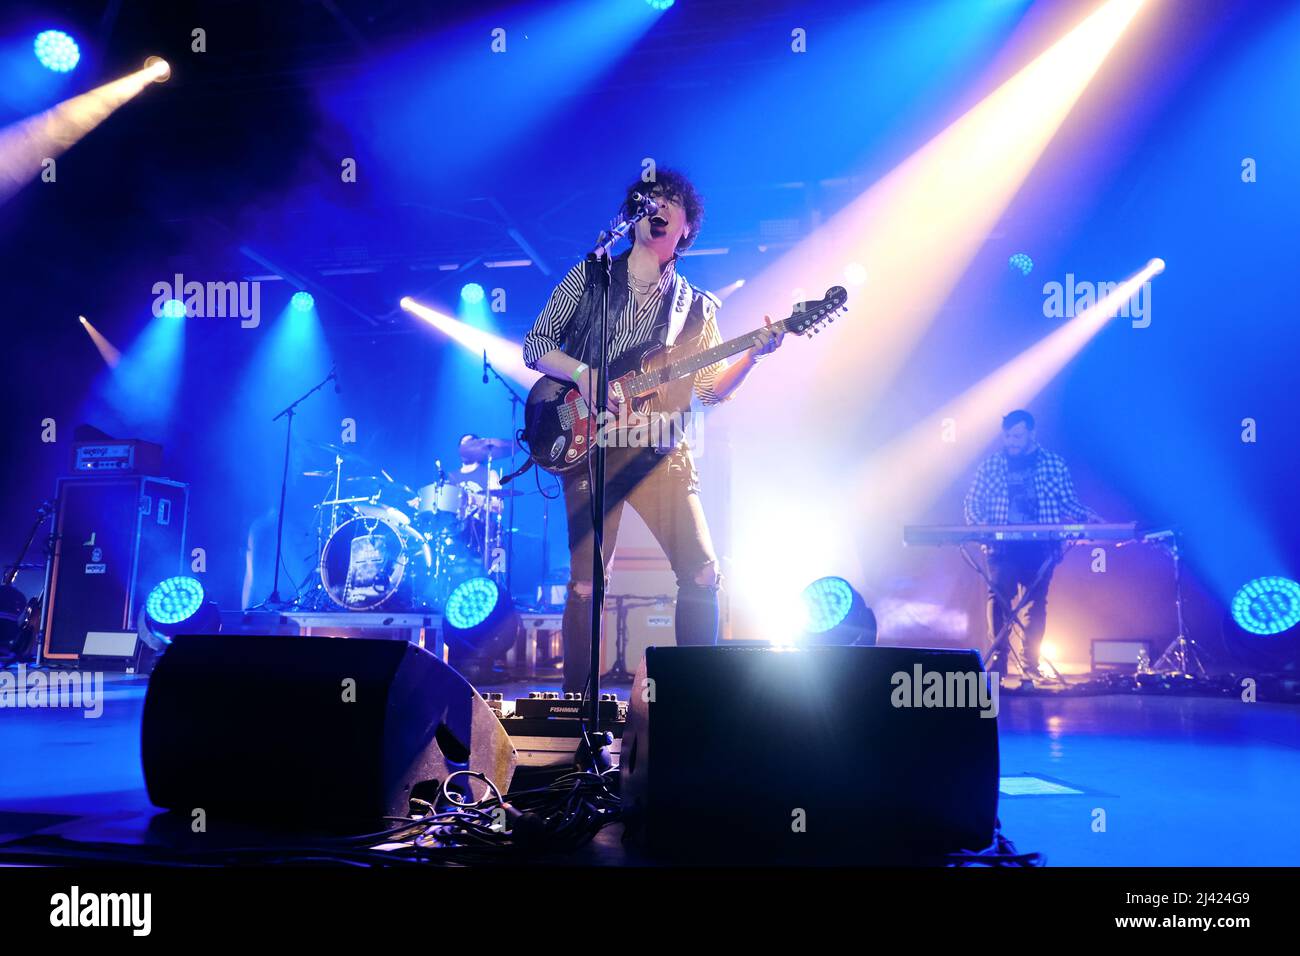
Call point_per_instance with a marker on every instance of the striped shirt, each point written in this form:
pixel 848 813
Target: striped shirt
pixel 633 328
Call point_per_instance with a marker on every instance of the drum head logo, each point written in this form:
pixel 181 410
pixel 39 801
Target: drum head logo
pixel 369 570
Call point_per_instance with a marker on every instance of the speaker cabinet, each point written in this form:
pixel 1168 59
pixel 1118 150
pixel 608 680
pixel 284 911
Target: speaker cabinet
pixel 314 730
pixel 810 755
pixel 114 539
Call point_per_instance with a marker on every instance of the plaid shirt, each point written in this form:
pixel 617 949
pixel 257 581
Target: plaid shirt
pixel 988 502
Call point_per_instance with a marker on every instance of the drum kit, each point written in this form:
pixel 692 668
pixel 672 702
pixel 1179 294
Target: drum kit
pixel 383 545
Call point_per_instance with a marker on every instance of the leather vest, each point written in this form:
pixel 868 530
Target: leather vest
pixel 577 341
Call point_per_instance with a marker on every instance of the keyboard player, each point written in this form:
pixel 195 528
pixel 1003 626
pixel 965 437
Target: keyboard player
pixel 1023 483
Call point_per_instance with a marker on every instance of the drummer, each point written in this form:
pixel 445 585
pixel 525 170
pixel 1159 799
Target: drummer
pixel 474 471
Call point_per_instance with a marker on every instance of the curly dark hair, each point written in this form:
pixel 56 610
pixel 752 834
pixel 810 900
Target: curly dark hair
pixel 674 185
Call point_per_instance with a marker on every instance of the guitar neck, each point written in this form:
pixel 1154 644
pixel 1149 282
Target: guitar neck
pixel 691 364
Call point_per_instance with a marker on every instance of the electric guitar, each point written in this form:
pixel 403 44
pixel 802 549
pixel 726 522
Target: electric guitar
pixel 652 381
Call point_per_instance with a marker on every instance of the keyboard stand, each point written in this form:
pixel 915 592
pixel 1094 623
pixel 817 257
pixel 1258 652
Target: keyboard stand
pixel 1011 614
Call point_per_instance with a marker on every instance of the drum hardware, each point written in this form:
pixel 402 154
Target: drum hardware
pixel 331 502
pixel 371 509
pixel 381 543
pixel 350 455
pixel 334 509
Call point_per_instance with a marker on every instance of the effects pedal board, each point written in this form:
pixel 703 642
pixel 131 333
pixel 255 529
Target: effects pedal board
pixel 546 704
pixel 545 727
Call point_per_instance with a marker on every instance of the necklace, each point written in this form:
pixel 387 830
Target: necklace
pixel 640 286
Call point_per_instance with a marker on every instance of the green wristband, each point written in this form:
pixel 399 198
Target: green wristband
pixel 581 370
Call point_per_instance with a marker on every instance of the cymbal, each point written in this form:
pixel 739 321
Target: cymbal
pixel 331 502
pixel 381 481
pixel 506 492
pixel 481 448
pixel 350 455
pixel 326 446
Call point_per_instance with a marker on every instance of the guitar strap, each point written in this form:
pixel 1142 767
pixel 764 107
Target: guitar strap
pixel 683 297
pixel 681 319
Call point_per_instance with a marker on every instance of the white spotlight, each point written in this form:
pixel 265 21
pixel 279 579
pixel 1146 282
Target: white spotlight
pixel 160 68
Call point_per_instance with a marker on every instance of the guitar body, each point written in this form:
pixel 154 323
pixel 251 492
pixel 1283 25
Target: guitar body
pixel 655 383
pixel 558 428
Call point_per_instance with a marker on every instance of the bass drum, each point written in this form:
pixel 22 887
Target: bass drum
pixel 365 564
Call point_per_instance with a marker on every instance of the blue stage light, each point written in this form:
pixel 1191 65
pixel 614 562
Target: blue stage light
pixel 303 301
pixel 828 601
pixel 1022 262
pixel 479 621
pixel 472 603
pixel 836 614
pixel 174 600
pixel 57 51
pixel 173 309
pixel 176 605
pixel 1267 605
pixel 471 293
pixel 660 4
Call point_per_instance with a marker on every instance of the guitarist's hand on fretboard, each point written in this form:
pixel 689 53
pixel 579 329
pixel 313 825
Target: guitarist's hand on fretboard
pixel 767 342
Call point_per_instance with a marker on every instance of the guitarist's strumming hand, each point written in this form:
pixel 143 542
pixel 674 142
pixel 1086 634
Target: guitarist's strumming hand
pixel 586 382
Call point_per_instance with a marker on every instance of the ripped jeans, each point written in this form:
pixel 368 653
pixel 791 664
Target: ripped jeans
pixel 664 490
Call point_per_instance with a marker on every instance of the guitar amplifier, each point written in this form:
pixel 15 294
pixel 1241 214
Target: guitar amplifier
pixel 123 456
pixel 115 537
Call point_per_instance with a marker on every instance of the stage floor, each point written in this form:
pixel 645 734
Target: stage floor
pixel 1181 781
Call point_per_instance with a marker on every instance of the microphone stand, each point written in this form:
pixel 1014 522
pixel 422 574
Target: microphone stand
pixel 515 401
pixel 599 256
pixel 288 412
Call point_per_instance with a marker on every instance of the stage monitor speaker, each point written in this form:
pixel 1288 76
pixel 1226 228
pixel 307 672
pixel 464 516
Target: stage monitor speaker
pixel 845 755
pixel 321 731
pixel 114 539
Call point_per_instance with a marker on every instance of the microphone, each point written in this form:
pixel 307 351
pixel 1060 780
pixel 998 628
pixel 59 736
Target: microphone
pixel 646 203
pixel 485 366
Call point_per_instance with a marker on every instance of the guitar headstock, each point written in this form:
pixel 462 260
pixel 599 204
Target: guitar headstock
pixel 812 316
